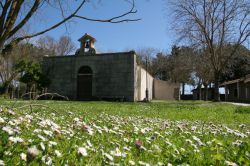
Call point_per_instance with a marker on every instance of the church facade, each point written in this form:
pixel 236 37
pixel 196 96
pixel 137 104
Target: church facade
pixel 88 75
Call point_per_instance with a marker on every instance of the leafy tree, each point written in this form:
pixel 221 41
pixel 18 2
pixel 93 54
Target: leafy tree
pixel 238 66
pixel 180 66
pixel 33 52
pixel 160 65
pixel 32 75
pixel 7 63
pixel 176 67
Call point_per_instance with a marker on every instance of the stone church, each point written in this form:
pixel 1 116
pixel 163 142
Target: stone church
pixel 88 75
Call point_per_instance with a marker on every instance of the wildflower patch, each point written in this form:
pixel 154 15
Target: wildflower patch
pixel 75 137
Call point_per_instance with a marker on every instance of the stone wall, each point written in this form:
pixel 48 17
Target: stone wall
pixel 113 74
pixel 165 90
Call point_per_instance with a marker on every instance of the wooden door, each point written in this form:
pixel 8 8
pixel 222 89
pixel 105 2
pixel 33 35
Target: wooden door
pixel 84 84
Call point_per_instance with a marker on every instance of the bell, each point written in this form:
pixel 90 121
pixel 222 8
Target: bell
pixel 87 44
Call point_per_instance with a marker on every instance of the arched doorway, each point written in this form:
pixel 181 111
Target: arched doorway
pixel 84 83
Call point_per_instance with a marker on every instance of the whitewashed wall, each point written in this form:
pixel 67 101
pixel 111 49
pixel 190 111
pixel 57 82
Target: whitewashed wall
pixel 143 80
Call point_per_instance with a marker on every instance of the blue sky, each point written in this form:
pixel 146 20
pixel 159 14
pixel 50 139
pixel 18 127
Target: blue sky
pixel 154 30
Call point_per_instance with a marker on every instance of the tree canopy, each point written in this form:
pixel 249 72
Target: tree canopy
pixel 32 74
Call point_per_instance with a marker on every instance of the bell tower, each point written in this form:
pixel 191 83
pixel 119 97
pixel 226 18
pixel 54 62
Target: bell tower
pixel 86 45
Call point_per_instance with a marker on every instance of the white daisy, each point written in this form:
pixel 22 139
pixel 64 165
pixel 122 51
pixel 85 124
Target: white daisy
pixel 23 156
pixel 131 162
pixel 82 151
pixel 108 156
pixel 8 130
pixel 52 143
pixel 32 153
pixel 47 160
pixel 16 140
pixel 2 163
pixel 42 146
pixel 143 163
pixel 2 120
pixel 116 152
pixel 58 154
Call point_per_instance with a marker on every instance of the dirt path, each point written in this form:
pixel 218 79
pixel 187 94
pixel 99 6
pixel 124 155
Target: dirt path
pixel 240 104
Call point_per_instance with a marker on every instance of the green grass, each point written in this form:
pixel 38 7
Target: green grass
pixel 190 132
pixel 173 110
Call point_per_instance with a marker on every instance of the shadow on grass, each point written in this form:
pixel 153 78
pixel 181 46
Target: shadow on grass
pixel 242 110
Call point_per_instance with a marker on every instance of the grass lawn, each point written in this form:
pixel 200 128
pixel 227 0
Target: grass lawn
pixel 113 133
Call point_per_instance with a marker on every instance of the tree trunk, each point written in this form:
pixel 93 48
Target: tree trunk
pixel 32 92
pixel 199 92
pixel 6 86
pixel 206 92
pixel 216 86
pixel 35 91
pixel 18 91
pixel 183 88
pixel 28 91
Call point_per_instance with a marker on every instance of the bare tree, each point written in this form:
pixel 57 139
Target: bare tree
pixel 145 57
pixel 48 44
pixel 213 24
pixel 15 14
pixel 52 47
pixel 65 46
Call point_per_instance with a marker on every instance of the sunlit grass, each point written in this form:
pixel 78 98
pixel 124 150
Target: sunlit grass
pixel 110 133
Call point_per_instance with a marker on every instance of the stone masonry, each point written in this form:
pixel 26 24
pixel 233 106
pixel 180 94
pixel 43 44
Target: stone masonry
pixel 89 76
pixel 113 74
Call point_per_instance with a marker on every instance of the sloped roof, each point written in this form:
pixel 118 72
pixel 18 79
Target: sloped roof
pixel 245 79
pixel 86 37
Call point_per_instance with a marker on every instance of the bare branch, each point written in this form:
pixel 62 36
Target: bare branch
pixel 214 25
pixel 26 18
pixel 111 20
pixel 52 95
pixel 74 14
pixel 12 16
pixel 52 27
pixel 1 4
pixel 3 15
